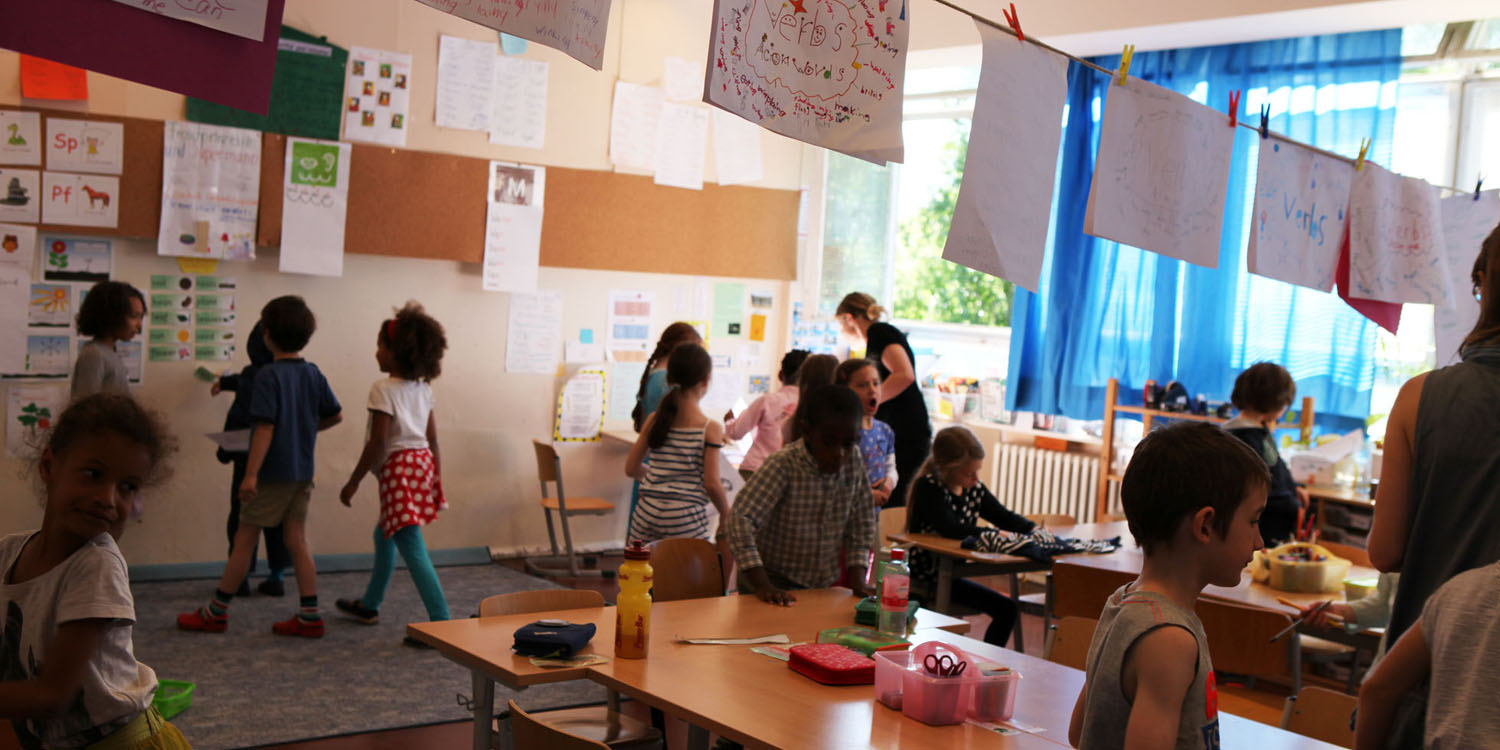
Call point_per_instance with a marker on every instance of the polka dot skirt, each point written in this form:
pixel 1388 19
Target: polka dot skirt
pixel 411 493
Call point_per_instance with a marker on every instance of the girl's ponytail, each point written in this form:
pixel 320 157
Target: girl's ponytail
pixel 675 334
pixel 951 447
pixel 688 366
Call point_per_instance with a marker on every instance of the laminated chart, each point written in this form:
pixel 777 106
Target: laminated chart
pixel 1396 240
pixel 1301 198
pixel 825 72
pixel 1161 174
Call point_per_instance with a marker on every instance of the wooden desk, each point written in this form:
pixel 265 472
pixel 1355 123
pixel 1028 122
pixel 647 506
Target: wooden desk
pixel 623 435
pixel 483 644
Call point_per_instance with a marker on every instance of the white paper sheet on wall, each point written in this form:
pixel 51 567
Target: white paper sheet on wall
pixel 1301 211
pixel 377 96
pixel 465 83
pixel 210 191
pixel 624 383
pixel 85 146
pixel 15 286
pixel 1466 222
pixel 30 411
pixel 580 407
pixel 18 246
pixel 1161 175
pixel 628 326
pixel 519 117
pixel 681 138
pixel 246 18
pixel 513 226
pixel 20 195
pixel 534 333
pixel 683 79
pixel 1000 222
pixel 578 27
pixel 20 138
pixel 736 149
pixel 632 125
pixel 86 200
pixel 1396 240
pixel 314 206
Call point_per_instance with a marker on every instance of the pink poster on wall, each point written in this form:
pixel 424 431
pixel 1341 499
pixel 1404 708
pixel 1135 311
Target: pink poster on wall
pixel 118 40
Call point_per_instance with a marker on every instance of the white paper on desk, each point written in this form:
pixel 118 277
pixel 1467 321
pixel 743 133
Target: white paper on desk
pixel 1000 222
pixel 681 137
pixel 1466 222
pixel 1301 211
pixel 233 441
pixel 736 149
pixel 683 79
pixel 465 83
pixel 513 227
pixel 777 638
pixel 534 331
pixel 632 125
pixel 580 407
pixel 314 206
pixel 1162 172
pixel 519 114
pixel 1396 251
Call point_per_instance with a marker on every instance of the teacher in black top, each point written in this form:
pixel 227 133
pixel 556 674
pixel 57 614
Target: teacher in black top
pixel 901 404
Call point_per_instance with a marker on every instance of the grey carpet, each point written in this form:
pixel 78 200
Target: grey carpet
pixel 255 688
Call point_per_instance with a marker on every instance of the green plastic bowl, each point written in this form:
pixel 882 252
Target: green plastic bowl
pixel 172 697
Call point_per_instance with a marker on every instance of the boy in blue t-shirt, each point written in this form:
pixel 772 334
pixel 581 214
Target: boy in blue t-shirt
pixel 289 404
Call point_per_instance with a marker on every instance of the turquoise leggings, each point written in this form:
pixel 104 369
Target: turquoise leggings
pixel 414 551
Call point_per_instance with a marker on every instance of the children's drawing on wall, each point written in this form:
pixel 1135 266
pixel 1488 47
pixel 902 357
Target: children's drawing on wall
pixel 51 306
pixel 1301 197
pixel 377 81
pixel 76 259
pixel 20 138
pixel 210 191
pixel 18 246
pixel 47 356
pixel 29 413
pixel 19 189
pixel 88 200
pixel 1396 249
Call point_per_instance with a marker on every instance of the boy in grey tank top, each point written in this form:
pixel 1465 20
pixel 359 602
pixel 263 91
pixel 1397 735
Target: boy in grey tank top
pixel 1193 495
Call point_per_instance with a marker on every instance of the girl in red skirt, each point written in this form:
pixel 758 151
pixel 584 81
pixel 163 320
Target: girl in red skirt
pixel 402 452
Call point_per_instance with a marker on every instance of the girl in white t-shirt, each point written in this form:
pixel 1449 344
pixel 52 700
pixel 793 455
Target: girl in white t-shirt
pixel 68 674
pixel 403 444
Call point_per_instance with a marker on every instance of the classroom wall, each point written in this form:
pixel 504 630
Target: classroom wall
pixel 486 417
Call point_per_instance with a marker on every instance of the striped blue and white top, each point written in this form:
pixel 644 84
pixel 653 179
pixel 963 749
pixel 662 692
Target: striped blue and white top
pixel 673 502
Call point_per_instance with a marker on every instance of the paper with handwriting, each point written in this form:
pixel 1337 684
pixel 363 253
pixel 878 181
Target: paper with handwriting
pixel 246 18
pixel 465 83
pixel 1396 240
pixel 632 125
pixel 519 117
pixel 1301 203
pixel 737 158
pixel 577 27
pixel 513 226
pixel 314 207
pixel 1466 223
pixel 210 191
pixel 681 140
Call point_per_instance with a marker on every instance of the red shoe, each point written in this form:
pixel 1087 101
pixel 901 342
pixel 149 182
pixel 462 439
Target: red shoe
pixel 198 620
pixel 297 626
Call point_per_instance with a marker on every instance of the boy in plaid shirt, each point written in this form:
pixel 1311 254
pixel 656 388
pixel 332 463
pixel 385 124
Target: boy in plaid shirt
pixel 805 503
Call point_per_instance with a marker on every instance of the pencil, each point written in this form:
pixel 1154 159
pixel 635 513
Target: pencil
pixel 1300 620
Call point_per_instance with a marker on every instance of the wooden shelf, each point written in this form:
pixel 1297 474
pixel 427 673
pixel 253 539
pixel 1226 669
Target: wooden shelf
pixel 1169 414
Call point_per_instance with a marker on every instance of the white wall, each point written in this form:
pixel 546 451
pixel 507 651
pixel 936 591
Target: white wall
pixel 486 417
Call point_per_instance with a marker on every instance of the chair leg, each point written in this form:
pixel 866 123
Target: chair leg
pixel 551 535
pixel 568 541
pixel 1015 596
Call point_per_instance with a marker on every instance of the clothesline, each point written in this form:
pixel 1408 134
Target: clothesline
pixel 1113 73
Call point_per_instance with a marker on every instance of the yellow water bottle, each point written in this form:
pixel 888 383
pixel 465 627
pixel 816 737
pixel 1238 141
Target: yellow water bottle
pixel 633 607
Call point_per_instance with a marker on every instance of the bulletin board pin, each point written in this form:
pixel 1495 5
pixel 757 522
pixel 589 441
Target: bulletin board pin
pixel 1014 19
pixel 1125 57
pixel 1477 185
pixel 1234 108
pixel 1265 121
pixel 1364 148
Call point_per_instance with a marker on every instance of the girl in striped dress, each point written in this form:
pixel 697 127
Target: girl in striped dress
pixel 683 476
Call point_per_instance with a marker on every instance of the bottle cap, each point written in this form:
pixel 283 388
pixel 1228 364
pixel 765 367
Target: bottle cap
pixel 898 554
pixel 637 551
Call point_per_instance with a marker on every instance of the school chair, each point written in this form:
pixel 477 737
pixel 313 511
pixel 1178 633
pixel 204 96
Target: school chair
pixel 602 726
pixel 1040 603
pixel 531 734
pixel 549 469
pixel 1321 714
pixel 1357 555
pixel 1068 643
pixel 1082 591
pixel 1239 642
pixel 685 569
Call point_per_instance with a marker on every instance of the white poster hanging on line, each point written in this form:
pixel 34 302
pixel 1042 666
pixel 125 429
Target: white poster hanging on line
pixel 534 332
pixel 20 138
pixel 1396 249
pixel 828 72
pixel 513 226
pixel 465 83
pixel 210 191
pixel 1000 222
pixel 85 146
pixel 85 200
pixel 314 204
pixel 246 18
pixel 377 96
pixel 519 117
pixel 20 195
pixel 1301 204
pixel 1161 175
pixel 577 27
pixel 1467 221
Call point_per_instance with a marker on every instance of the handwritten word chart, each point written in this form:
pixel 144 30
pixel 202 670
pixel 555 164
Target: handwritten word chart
pixel 632 125
pixel 1161 175
pixel 377 96
pixel 736 149
pixel 519 117
pixel 210 191
pixel 825 72
pixel 513 227
pixel 85 146
pixel 465 82
pixel 1396 249
pixel 577 27
pixel 1301 202
pixel 1000 222
pixel 1466 222
pixel 246 18
pixel 20 138
pixel 534 332
pixel 314 205
pixel 681 137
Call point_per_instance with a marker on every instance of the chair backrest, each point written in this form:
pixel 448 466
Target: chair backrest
pixel 891 521
pixel 1239 639
pixel 1357 555
pixel 1321 714
pixel 1111 517
pixel 1081 591
pixel 685 569
pixel 540 600
pixel 531 734
pixel 1049 520
pixel 546 462
pixel 1070 642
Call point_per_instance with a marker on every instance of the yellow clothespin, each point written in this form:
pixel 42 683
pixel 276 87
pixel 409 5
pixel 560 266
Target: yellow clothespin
pixel 1125 58
pixel 1364 148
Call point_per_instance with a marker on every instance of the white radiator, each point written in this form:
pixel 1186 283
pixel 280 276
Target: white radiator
pixel 1030 480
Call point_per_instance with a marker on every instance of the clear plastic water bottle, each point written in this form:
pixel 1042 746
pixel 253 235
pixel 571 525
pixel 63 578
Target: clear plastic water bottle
pixel 895 588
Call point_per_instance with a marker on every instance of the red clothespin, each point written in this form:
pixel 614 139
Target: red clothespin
pixel 1265 121
pixel 1125 57
pixel 1014 19
pixel 1364 148
pixel 1234 108
pixel 1477 186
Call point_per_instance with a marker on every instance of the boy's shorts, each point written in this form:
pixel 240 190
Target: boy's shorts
pixel 275 502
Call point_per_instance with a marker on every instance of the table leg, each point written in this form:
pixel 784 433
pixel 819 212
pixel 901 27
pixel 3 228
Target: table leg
pixel 944 583
pixel 697 737
pixel 484 714
pixel 1015 597
pixel 612 700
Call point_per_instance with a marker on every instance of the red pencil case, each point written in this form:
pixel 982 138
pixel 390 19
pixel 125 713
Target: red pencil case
pixel 832 664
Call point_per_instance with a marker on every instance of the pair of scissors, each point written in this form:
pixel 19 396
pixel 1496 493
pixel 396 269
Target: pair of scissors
pixel 944 666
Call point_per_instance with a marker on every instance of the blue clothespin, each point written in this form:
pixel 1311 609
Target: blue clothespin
pixel 1265 121
pixel 1125 58
pixel 1477 186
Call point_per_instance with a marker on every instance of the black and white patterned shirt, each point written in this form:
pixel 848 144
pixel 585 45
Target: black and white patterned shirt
pixel 935 510
pixel 792 518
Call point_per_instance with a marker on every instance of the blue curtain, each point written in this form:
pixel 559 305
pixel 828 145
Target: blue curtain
pixel 1109 310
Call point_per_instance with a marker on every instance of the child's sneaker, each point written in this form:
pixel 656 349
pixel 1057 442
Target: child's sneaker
pixel 357 609
pixel 299 627
pixel 200 620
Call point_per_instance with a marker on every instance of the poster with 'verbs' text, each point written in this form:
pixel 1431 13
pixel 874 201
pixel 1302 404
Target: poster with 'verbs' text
pixel 826 72
pixel 577 27
pixel 1301 197
pixel 210 191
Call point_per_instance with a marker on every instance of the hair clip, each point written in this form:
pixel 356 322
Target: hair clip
pixel 1265 121
pixel 1012 18
pixel 1125 57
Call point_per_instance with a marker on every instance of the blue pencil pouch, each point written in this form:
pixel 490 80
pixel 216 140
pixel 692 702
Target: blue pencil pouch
pixel 553 640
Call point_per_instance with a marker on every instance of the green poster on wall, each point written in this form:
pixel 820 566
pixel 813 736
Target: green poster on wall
pixel 307 92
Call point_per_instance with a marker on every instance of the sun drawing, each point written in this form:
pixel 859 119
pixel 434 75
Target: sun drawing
pixel 51 299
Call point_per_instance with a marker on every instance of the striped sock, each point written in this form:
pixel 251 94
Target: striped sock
pixel 218 606
pixel 309 609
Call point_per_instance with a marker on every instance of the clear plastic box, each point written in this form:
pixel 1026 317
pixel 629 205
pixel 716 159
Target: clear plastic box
pixel 901 682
